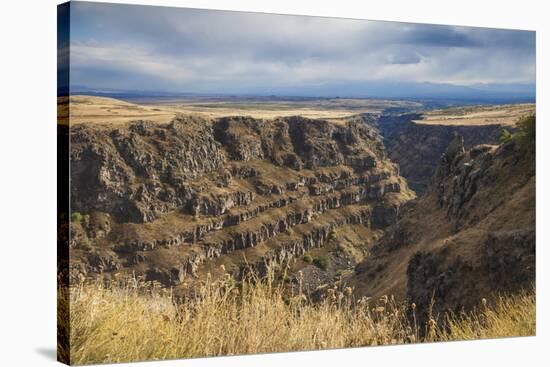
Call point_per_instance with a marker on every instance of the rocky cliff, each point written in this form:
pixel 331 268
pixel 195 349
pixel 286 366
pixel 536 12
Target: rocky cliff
pixel 417 147
pixel 472 235
pixel 173 202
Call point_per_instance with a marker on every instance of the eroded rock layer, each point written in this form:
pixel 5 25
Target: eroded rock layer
pixel 417 147
pixel 174 202
pixel 472 236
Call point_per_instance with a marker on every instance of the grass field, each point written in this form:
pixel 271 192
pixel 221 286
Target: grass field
pixel 478 115
pixel 136 322
pixel 88 109
pixel 103 110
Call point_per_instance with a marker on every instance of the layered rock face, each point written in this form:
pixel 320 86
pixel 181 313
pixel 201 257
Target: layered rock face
pixel 139 172
pixel 417 147
pixel 470 237
pixel 172 202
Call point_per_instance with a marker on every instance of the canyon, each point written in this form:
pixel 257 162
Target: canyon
pixel 375 201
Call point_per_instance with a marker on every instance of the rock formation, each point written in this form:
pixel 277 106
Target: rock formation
pixel 417 147
pixel 470 237
pixel 171 202
pixel 176 203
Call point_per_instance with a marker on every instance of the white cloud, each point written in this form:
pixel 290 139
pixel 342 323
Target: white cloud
pixel 197 50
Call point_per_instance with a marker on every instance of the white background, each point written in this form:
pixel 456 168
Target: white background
pixel 28 181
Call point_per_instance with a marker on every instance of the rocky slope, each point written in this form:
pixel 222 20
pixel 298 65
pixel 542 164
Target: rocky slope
pixel 470 237
pixel 174 202
pixel 417 147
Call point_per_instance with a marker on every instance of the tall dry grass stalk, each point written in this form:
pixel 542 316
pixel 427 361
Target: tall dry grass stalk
pixel 137 322
pixel 511 316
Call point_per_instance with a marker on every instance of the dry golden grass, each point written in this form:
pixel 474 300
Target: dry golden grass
pixel 335 109
pixel 511 316
pixel 63 110
pixel 104 110
pixel 136 321
pixel 506 115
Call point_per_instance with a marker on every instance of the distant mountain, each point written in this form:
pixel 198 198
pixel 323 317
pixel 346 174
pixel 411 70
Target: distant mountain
pixel 489 93
pixel 478 93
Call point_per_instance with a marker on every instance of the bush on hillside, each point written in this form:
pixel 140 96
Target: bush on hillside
pixel 527 130
pixel 321 262
pixel 76 217
pixel 506 136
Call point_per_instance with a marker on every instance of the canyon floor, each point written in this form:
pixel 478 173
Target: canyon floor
pixel 339 201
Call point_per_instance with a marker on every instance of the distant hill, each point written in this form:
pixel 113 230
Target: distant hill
pixel 478 93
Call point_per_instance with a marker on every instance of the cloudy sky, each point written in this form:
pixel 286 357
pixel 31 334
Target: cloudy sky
pixel 142 48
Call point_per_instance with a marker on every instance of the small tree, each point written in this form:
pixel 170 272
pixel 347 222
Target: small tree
pixel 506 136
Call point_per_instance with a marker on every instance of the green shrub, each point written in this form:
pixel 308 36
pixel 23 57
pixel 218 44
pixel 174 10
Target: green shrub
pixel 76 217
pixel 527 130
pixel 506 136
pixel 286 278
pixel 308 258
pixel 321 262
pixel 333 234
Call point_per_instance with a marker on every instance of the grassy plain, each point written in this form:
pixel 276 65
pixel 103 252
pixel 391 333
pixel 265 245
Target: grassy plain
pixel 105 110
pixel 91 109
pixel 506 115
pixel 88 109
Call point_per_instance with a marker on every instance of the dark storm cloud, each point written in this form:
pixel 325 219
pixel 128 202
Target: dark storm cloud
pixel 174 49
pixel 438 36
